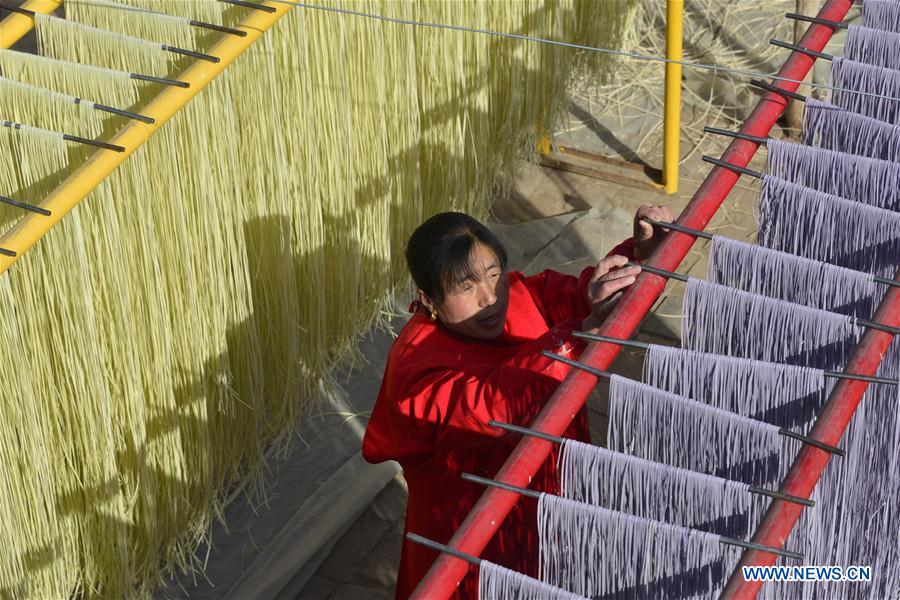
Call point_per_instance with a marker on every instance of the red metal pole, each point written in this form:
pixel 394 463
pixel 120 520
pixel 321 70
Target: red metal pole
pixel 488 513
pixel 807 468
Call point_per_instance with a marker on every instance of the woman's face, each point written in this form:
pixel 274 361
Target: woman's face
pixel 477 307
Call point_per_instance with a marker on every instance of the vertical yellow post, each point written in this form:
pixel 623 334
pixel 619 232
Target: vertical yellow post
pixel 672 125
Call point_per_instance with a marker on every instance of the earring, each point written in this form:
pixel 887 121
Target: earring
pixel 433 314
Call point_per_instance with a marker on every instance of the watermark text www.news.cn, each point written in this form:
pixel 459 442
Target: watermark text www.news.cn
pixel 808 573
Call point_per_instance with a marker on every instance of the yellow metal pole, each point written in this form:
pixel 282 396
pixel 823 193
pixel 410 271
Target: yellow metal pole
pixel 672 125
pixel 16 25
pixel 70 192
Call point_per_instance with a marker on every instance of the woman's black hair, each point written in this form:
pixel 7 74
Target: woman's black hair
pixel 439 252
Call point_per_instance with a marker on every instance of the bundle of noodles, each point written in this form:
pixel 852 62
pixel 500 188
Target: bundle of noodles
pixel 496 583
pixel 128 447
pixel 41 550
pixel 74 79
pixel 64 115
pixel 602 553
pixel 141 21
pixel 175 324
pixel 33 158
pixel 210 12
pixel 207 394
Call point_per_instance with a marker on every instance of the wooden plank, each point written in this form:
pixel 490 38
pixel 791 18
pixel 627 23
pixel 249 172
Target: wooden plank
pixel 594 168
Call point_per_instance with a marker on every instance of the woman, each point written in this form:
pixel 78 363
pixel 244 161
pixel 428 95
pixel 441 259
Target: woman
pixel 472 353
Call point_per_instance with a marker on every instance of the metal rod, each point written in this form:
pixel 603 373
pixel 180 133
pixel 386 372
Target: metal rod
pixel 17 9
pixel 806 51
pixel 660 272
pixel 414 537
pixel 777 90
pixel 604 338
pixel 160 80
pixel 731 167
pixel 818 21
pixel 735 134
pixel 741 543
pixel 503 486
pixel 72 138
pixel 29 207
pixel 191 53
pixel 672 104
pixel 125 113
pixel 812 442
pixel 104 145
pixel 559 440
pixel 214 27
pixel 886 281
pixel 578 365
pixel 118 111
pixel 855 377
pixel 879 326
pixel 6 252
pixel 676 227
pixel 781 496
pixel 489 512
pixel 526 431
pixel 253 5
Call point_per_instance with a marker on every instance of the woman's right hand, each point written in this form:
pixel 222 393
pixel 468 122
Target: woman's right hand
pixel 606 287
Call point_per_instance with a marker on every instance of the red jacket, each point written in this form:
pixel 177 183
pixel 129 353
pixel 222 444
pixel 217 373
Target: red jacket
pixel 438 393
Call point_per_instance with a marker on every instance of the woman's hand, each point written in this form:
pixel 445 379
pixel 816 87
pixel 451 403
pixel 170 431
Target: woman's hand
pixel 646 236
pixel 606 287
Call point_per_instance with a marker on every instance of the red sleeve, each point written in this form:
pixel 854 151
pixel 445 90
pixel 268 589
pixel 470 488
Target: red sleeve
pixel 448 408
pixel 625 249
pixel 562 297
